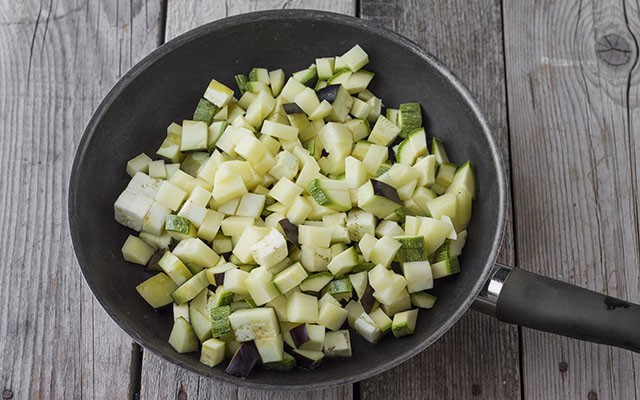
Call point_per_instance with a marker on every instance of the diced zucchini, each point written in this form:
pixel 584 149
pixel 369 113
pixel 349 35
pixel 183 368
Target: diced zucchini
pixel 157 290
pixel 254 323
pixel 260 286
pixel 382 321
pixel 412 147
pixel 270 250
pixel 437 149
pixel 276 80
pixel 315 282
pixel 418 275
pixel 355 58
pixel 343 262
pixel 337 344
pixel 271 349
pixel 446 267
pixel 384 251
pixel 378 198
pixel 140 163
pixel 423 299
pixel 401 303
pixel 241 82
pixel 183 339
pixel 195 252
pixel 287 363
pixel 218 94
pixel 367 328
pixel 330 193
pixel 302 308
pixel 259 75
pixel 174 268
pixel 307 77
pixel 201 323
pixel 404 323
pixel 332 316
pixel 290 277
pixel 190 288
pixel 409 118
pixel 339 288
pixel 137 251
pixel 384 132
pixel 212 352
pixel 235 281
pixel 220 324
pixel 205 110
pixel 315 259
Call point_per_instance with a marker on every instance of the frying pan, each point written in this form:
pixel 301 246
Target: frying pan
pixel 166 86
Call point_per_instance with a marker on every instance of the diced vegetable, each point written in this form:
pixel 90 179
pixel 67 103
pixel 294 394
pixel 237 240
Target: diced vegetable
pixel 306 203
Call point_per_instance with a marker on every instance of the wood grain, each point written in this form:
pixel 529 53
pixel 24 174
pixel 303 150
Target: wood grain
pixel 467 36
pixel 161 380
pixel 573 101
pixel 58 60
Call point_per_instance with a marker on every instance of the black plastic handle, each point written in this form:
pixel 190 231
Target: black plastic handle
pixel 549 305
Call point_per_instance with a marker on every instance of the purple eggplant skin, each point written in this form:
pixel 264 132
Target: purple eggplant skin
pixel 328 93
pixel 386 191
pixel 299 335
pixel 152 265
pixel 367 300
pixel 305 362
pixel 290 231
pixel 244 360
pixel 292 108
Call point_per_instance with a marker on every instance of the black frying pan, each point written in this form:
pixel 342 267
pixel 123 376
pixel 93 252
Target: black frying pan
pixel 166 86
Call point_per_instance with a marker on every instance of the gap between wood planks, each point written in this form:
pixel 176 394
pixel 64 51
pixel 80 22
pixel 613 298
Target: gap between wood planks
pixel 135 367
pixel 510 181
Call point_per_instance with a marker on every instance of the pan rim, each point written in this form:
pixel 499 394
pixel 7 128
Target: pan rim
pixel 318 16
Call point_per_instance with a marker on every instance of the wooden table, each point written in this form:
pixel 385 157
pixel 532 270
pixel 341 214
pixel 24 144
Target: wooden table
pixel 558 80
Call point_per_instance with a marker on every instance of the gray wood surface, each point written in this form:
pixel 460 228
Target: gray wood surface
pixel 573 114
pixel 56 341
pixel 467 36
pixel 160 379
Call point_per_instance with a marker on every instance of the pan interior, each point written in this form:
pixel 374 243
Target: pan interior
pixel 166 86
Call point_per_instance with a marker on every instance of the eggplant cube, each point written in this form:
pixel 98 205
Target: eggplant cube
pixel 243 361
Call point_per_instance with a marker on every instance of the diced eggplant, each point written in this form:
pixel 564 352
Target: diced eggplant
pixel 299 335
pixel 328 93
pixel 385 190
pixel 308 358
pixel 290 231
pixel 292 108
pixel 337 344
pixel 243 361
pixel 368 301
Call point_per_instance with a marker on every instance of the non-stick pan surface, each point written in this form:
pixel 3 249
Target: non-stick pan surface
pixel 166 86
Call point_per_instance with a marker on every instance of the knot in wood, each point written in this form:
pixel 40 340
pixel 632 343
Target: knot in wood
pixel 476 390
pixel 563 366
pixel 182 395
pixel 613 49
pixel 7 394
pixel 592 395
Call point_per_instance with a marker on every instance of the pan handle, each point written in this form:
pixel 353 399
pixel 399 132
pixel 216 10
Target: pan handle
pixel 523 298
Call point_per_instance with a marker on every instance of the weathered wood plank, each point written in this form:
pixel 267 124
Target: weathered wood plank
pixel 467 36
pixel 159 378
pixel 573 101
pixel 56 342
